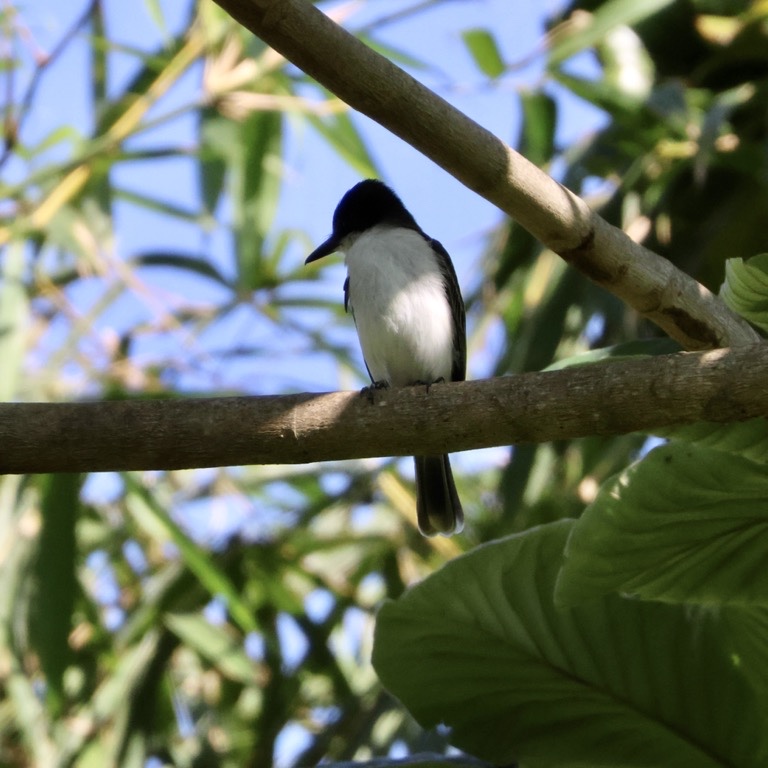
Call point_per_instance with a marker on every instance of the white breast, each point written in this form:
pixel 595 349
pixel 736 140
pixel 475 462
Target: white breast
pixel 400 307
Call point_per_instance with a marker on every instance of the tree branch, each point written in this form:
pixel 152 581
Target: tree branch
pixel 368 82
pixel 608 398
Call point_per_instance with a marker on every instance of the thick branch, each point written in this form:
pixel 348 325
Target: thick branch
pixel 563 222
pixel 603 399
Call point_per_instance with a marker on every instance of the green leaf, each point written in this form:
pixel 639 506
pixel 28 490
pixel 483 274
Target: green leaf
pixel 198 265
pixel 685 524
pixel 156 521
pixel 14 313
pixel 746 631
pixel 602 94
pixel 340 132
pixel 627 351
pixel 627 66
pixel 218 149
pixel 485 51
pixel 412 761
pixel 256 195
pixel 745 289
pixel 571 37
pixel 537 132
pixel 156 205
pixel 213 643
pixel 481 646
pixel 747 438
pixel 155 12
pixel 55 583
pixel 114 693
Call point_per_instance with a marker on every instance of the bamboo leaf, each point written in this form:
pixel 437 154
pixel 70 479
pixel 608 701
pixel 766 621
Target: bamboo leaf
pixel 55 583
pixel 484 50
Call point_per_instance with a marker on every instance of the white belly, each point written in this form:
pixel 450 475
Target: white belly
pixel 399 303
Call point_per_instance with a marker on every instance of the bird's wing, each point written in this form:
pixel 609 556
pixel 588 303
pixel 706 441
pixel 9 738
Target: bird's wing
pixel 349 308
pixel 452 289
pixel 346 296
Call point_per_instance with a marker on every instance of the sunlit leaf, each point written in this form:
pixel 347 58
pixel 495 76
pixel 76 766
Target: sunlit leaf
pixel 155 10
pixel 745 289
pixel 627 66
pixel 575 36
pixel 484 50
pixel 14 313
pixel 626 351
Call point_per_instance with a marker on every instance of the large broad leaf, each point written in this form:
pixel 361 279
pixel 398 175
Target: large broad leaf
pixel 746 635
pixel 482 647
pixel 686 523
pixel 745 289
pixel 748 438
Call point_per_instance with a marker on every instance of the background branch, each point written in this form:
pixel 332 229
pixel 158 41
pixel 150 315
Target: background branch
pixel 601 399
pixel 371 84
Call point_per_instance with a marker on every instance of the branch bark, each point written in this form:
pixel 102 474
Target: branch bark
pixel 608 398
pixel 371 84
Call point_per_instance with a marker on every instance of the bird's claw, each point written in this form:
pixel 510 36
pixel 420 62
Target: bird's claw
pixel 428 384
pixel 370 391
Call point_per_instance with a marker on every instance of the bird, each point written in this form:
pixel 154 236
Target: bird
pixel 402 291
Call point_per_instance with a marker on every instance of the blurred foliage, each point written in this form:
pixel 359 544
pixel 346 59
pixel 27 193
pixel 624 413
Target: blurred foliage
pixel 225 616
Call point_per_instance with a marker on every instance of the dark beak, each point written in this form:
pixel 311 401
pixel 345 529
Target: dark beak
pixel 331 245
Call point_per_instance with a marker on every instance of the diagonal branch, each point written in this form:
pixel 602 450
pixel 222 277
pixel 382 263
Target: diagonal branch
pixel 368 82
pixel 602 399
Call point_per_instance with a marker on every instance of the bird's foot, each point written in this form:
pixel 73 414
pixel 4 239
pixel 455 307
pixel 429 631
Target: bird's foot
pixel 370 391
pixel 428 384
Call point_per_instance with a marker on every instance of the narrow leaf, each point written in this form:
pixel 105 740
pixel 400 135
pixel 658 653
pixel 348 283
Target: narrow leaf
pixel 157 523
pixel 55 582
pixel 340 132
pixel 537 133
pixel 212 643
pixel 14 312
pixel 570 38
pixel 189 262
pixel 484 50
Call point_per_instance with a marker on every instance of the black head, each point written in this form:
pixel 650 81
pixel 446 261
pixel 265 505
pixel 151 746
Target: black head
pixel 366 205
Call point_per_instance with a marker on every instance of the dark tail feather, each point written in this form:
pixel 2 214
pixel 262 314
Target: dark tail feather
pixel 437 504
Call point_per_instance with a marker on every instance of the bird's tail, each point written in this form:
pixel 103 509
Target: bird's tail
pixel 438 508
